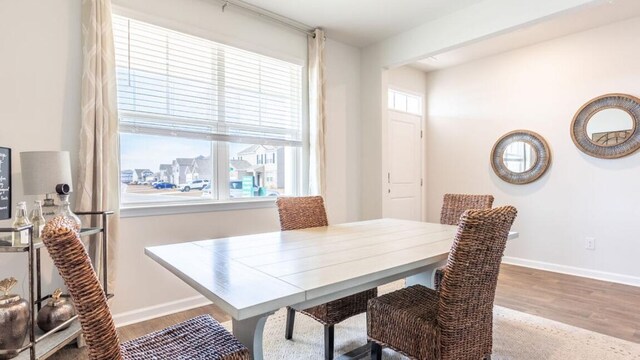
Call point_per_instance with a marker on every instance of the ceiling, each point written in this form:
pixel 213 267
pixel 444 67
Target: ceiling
pixel 589 17
pixel 362 22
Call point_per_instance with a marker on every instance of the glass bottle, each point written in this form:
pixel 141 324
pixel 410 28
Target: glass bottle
pixel 37 220
pixel 64 210
pixel 22 237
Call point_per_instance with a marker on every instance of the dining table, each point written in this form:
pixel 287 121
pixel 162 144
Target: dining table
pixel 250 277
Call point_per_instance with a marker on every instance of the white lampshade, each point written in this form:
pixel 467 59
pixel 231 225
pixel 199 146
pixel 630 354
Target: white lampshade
pixel 43 170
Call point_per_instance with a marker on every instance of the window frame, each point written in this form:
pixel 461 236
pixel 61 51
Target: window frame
pixel 300 167
pixel 407 93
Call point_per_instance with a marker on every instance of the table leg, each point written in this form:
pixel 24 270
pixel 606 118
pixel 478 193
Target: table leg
pixel 249 332
pixel 427 277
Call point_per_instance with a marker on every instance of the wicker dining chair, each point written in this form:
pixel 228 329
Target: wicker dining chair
pixel 306 212
pixel 455 322
pixel 453 205
pixel 201 337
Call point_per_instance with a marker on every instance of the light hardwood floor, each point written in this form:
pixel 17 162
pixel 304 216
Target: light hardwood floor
pixel 599 306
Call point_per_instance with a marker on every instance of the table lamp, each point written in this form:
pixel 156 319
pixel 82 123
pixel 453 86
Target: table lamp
pixel 42 171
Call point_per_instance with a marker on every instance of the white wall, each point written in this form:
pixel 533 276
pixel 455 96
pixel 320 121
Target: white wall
pixel 540 88
pixel 342 89
pixel 40 80
pixel 477 22
pixel 408 79
pixel 39 92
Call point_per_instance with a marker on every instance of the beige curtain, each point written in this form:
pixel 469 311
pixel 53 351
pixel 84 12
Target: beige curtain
pixel 97 185
pixel 317 176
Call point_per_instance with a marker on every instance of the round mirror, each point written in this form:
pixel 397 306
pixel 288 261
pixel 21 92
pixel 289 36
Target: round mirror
pixel 520 157
pixel 607 126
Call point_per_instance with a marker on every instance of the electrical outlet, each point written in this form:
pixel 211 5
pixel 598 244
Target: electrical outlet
pixel 590 243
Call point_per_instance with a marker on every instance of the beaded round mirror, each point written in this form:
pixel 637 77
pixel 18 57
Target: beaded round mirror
pixel 520 157
pixel 607 126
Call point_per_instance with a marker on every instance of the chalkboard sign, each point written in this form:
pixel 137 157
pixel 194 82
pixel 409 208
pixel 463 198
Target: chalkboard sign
pixel 5 183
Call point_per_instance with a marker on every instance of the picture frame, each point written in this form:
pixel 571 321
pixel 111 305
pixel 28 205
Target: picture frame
pixel 5 183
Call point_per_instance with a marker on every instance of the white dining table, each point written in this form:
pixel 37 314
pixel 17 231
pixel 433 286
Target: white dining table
pixel 250 277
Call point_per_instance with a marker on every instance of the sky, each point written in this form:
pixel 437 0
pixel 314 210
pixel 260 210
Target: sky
pixel 139 151
pixel 148 152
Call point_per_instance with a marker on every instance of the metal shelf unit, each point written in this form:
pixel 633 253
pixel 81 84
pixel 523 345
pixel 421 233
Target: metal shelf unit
pixel 41 344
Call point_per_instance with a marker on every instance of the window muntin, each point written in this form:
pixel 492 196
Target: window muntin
pixel 188 90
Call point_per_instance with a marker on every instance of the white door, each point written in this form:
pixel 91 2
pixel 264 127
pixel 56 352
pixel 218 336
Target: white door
pixel 404 177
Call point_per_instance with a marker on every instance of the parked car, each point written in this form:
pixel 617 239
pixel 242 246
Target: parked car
pixel 272 193
pixel 193 185
pixel 164 185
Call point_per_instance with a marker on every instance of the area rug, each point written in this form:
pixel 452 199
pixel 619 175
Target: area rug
pixel 516 336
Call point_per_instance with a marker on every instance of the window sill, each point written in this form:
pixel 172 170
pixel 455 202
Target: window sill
pixel 186 208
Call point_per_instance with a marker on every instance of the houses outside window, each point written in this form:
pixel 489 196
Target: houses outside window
pixel 193 111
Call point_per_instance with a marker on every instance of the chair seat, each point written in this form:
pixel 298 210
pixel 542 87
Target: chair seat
pixel 199 338
pixel 405 320
pixel 336 311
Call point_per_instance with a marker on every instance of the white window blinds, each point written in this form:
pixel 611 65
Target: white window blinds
pixel 170 83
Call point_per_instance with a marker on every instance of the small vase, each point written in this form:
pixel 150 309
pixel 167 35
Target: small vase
pixel 14 319
pixel 55 312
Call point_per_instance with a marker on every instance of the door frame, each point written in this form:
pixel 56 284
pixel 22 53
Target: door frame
pixel 385 147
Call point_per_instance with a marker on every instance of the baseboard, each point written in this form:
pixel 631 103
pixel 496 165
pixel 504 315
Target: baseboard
pixel 576 271
pixel 151 312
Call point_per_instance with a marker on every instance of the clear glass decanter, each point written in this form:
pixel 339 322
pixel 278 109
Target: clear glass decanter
pixel 64 210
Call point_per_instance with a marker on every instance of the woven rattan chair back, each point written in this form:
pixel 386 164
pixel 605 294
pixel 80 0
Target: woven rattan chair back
pixel 301 212
pixel 453 205
pixel 467 291
pixel 73 263
pixel 308 212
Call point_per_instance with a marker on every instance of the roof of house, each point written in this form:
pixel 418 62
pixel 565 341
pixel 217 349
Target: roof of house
pixel 142 172
pixel 254 148
pixel 183 161
pixel 240 164
pixel 203 166
pixel 165 167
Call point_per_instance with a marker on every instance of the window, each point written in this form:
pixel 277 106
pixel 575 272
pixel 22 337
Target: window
pixel 199 119
pixel 405 102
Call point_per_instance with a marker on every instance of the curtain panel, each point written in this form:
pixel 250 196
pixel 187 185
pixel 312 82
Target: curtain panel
pixel 317 175
pixel 98 178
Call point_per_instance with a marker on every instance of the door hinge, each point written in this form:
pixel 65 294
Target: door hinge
pixel 420 134
pixel 389 178
pixel 420 182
